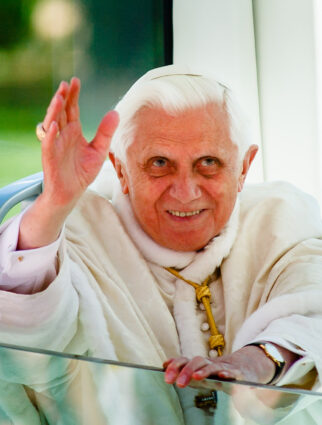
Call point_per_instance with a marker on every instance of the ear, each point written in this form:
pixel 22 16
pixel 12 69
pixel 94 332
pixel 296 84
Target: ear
pixel 120 171
pixel 247 161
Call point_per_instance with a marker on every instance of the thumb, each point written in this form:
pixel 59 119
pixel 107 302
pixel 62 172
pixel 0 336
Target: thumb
pixel 105 131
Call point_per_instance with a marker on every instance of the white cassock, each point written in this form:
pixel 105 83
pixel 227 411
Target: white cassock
pixel 113 299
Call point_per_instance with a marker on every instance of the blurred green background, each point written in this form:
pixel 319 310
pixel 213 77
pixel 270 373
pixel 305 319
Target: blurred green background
pixel 108 44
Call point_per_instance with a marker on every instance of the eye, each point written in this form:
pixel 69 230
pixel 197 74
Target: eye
pixel 208 165
pixel 159 162
pixel 158 166
pixel 208 162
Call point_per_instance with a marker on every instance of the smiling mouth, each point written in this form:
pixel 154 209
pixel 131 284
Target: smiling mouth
pixel 184 213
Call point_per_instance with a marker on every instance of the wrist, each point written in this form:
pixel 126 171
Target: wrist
pixel 41 224
pixel 274 355
pixel 54 204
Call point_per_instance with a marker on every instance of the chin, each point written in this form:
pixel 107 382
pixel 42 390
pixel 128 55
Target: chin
pixel 184 246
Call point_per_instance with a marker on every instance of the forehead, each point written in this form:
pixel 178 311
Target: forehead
pixel 195 129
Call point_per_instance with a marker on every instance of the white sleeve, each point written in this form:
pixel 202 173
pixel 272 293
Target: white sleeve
pixel 279 333
pixel 26 271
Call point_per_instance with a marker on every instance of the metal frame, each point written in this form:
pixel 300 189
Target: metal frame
pixel 26 189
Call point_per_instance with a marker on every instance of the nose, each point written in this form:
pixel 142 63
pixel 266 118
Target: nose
pixel 185 189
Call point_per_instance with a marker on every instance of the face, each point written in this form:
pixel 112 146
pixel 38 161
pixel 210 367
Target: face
pixel 182 175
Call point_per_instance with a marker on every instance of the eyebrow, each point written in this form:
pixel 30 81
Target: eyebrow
pixel 220 161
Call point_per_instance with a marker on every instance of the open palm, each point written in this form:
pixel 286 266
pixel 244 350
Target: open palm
pixel 70 163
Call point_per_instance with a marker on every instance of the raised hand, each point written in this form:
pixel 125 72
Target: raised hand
pixel 70 164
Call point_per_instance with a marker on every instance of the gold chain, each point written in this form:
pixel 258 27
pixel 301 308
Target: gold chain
pixel 203 294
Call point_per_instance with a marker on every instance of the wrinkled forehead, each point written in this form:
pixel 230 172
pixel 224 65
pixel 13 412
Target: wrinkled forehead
pixel 211 116
pixel 197 130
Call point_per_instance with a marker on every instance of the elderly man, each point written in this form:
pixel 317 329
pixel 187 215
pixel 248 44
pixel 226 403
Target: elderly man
pixel 178 266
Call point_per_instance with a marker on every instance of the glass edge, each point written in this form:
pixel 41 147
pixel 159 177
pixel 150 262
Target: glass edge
pixel 154 369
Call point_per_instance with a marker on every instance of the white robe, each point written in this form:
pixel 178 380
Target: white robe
pixel 113 299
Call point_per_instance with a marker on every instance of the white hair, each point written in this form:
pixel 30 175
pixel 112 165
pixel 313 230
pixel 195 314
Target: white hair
pixel 175 94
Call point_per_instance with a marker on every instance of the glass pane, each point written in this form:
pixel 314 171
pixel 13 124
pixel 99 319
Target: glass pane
pixel 41 387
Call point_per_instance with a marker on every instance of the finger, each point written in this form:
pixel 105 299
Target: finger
pixel 207 372
pixel 62 121
pixel 173 369
pixel 56 105
pixel 223 371
pixel 53 111
pixel 72 108
pixel 167 362
pixel 48 142
pixel 63 90
pixel 105 131
pixel 186 374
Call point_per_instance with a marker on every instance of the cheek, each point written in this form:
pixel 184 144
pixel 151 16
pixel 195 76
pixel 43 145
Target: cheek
pixel 229 182
pixel 145 193
pixel 146 200
pixel 223 192
pixel 221 187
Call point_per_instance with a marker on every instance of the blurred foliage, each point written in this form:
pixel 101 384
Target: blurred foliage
pixel 117 41
pixel 15 22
